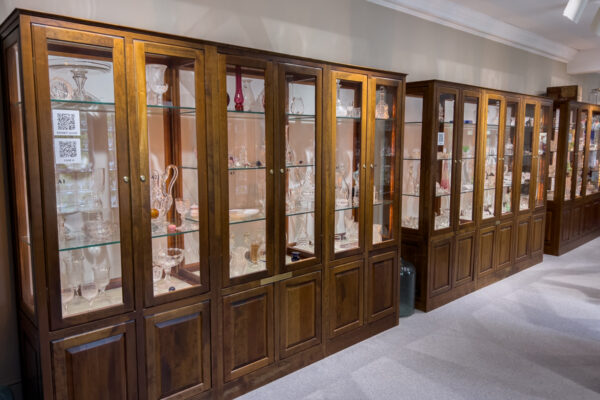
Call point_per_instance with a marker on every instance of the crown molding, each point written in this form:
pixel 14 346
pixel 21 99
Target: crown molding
pixel 465 19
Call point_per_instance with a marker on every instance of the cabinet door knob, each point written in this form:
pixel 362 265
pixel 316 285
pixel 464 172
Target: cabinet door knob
pixel 143 178
pixel 281 170
pixel 364 166
pixel 271 171
pixel 126 179
pixel 371 166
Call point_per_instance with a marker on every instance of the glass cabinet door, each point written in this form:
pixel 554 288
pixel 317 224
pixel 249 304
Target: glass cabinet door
pixel 508 157
pixel 83 103
pixel 468 146
pixel 20 179
pixel 553 154
pixel 492 138
pixel 580 150
pixel 544 129
pixel 349 98
pixel 171 100
pixel 527 157
pixel 570 154
pixel 383 165
pixel 593 178
pixel 411 164
pixel 301 133
pixel 442 167
pixel 249 157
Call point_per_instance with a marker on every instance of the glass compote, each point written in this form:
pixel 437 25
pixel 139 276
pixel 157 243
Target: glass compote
pixel 182 206
pixel 170 257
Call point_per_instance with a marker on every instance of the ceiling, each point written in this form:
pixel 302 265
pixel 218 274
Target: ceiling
pixel 537 26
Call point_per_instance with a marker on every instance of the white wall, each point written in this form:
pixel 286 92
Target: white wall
pixel 348 31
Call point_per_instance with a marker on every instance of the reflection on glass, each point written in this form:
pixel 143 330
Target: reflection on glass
pixel 86 176
pixel 508 158
pixel 347 165
pixel 384 173
pixel 443 163
pixel 300 181
pixel 19 171
pixel 583 124
pixel 541 159
pixel 411 179
pixel 593 178
pixel 247 179
pixel 491 159
pixel 552 156
pixel 467 162
pixel 570 155
pixel 527 157
pixel 172 148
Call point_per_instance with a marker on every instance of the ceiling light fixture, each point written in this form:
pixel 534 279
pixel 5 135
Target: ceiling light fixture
pixel 574 9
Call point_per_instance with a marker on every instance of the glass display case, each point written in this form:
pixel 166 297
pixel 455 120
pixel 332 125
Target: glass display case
pixel 492 138
pixel 466 158
pixel 172 105
pixel 411 164
pixel 384 167
pixel 572 134
pixel 573 204
pixel 508 157
pixel 442 167
pixel 527 157
pixel 553 155
pixel 580 152
pixel 542 158
pixel 249 157
pixel 301 183
pixel 349 147
pixel 593 178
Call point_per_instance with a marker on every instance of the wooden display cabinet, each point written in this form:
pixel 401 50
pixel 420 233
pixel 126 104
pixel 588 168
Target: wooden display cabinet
pixel 193 220
pixel 573 209
pixel 471 205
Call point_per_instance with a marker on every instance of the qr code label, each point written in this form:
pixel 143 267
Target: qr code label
pixel 67 151
pixel 65 122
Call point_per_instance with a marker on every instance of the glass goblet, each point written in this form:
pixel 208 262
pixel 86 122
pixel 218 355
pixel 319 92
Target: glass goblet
pixel 66 294
pixel 182 206
pixel 102 277
pixel 157 273
pixel 89 291
pixel 170 257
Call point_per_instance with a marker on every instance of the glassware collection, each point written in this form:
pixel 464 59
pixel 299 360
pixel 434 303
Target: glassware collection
pixel 443 166
pixel 593 179
pixel 411 180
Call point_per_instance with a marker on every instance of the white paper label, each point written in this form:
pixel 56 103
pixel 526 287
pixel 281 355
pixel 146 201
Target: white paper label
pixel 441 140
pixel 67 151
pixel 66 123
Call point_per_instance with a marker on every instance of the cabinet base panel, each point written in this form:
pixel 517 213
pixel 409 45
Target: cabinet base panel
pixel 566 246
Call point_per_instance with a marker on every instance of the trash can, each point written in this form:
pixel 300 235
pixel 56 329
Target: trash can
pixel 408 274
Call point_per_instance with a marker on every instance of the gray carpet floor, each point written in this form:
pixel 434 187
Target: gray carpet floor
pixel 534 335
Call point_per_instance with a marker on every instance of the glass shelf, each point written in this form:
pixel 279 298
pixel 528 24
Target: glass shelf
pixel 250 115
pixel 468 158
pixel 82 102
pixel 348 118
pixel 413 123
pixel 411 159
pixel 300 166
pixel 159 109
pixel 304 212
pixel 442 194
pixel 244 168
pixel 383 203
pixel 244 221
pixel 410 195
pixel 444 158
pixel 86 243
pixel 163 233
pixel 347 208
pixel 384 119
pixel 300 117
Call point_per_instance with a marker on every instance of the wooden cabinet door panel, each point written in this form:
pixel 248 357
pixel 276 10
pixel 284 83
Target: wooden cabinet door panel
pixel 300 313
pixel 549 230
pixel 178 352
pixel 96 365
pixel 346 298
pixel 523 241
pixel 247 331
pixel 537 235
pixel 588 218
pixel 382 275
pixel 441 259
pixel 487 239
pixel 504 247
pixel 575 222
pixel 566 225
pixel 465 245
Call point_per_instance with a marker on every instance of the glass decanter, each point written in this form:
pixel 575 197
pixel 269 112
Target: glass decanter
pixel 249 99
pixel 340 109
pixel 381 108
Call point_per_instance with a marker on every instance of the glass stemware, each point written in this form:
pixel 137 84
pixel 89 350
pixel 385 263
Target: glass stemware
pixel 155 74
pixel 89 291
pixel 157 272
pixel 340 109
pixel 249 99
pixel 102 277
pixel 182 206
